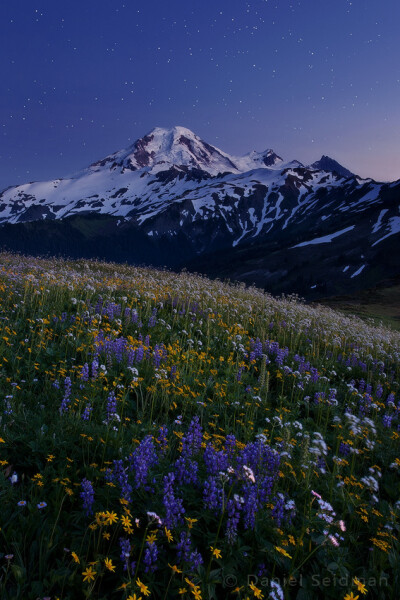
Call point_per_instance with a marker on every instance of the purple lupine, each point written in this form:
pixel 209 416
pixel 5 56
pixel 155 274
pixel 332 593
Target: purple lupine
pixel 278 511
pixel 120 475
pixel 250 506
pixel 125 551
pixel 98 309
pixel 261 570
pixel 258 348
pixel 230 445
pixel 85 372
pixel 150 557
pixel 157 356
pixel 87 495
pixel 195 560
pixel 95 369
pixel 281 355
pixel 86 413
pixel 186 471
pixel 162 438
pixel 185 554
pixel 191 442
pixel 153 319
pixel 319 397
pixel 119 349
pixel 387 420
pixel 183 547
pixel 139 354
pixel 344 449
pixel 8 407
pixel 111 406
pixel 390 399
pixel 215 460
pixel 332 396
pixel 261 459
pixel 173 372
pixel 142 460
pixel 265 485
pixel 173 506
pixel 67 393
pixel 212 493
pixel 303 365
pixel 233 509
pixel 131 357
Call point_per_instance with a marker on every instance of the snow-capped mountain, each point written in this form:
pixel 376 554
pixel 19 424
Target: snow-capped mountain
pixel 173 191
pixel 156 170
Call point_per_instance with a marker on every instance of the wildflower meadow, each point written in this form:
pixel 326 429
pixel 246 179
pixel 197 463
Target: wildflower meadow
pixel 167 436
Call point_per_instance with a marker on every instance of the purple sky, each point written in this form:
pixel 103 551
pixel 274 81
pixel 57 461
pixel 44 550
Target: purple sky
pixel 83 78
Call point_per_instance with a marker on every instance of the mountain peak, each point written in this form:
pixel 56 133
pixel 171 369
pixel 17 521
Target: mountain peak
pixel 326 163
pixel 174 132
pixel 162 148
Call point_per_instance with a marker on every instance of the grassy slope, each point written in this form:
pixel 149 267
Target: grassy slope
pixel 381 303
pixel 121 390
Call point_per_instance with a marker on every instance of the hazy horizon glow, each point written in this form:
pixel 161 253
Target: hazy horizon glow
pixel 304 77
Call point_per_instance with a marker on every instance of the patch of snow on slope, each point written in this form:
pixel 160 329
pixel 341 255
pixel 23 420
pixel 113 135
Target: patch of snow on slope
pixel 379 221
pixel 324 239
pixel 357 272
pixel 394 224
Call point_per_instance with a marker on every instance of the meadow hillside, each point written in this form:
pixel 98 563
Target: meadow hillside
pixel 167 436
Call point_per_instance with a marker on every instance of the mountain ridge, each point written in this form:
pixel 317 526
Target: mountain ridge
pixel 172 190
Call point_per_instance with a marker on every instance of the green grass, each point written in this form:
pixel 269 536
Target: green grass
pixel 381 304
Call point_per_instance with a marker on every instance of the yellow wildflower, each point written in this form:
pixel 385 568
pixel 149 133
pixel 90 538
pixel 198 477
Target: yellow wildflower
pixel 174 568
pixel 256 591
pixel 126 522
pixel 216 552
pixel 360 586
pixel 351 596
pixel 190 522
pixel 282 551
pixel 109 565
pixel 143 588
pixel 151 538
pixel 110 517
pixel 89 574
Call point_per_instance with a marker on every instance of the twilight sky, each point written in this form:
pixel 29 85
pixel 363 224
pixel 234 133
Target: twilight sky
pixel 83 78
